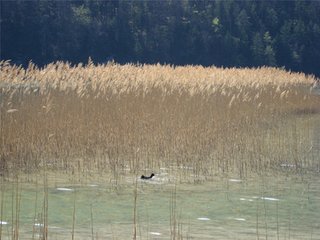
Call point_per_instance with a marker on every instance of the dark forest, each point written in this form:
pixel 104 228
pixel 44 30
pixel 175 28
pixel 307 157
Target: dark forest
pixel 222 33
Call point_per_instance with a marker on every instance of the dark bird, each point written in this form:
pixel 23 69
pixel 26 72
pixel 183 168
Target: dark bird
pixel 146 178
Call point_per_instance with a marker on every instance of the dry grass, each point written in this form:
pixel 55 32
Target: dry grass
pixel 114 118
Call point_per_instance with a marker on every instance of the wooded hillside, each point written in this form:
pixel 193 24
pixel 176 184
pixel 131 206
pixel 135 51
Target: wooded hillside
pixel 221 33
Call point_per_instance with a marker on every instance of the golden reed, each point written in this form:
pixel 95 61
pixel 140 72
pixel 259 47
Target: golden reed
pixel 118 118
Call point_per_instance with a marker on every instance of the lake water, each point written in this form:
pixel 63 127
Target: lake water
pixel 273 207
pixel 284 204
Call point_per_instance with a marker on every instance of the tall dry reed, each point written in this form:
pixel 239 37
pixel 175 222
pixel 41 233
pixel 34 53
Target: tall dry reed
pixel 114 118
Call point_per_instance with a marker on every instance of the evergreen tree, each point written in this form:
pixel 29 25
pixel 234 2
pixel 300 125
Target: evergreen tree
pixel 223 33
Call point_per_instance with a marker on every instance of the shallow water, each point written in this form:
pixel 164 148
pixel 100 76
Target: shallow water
pixel 276 207
pixel 282 205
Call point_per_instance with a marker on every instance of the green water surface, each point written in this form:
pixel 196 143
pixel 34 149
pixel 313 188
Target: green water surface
pixel 274 207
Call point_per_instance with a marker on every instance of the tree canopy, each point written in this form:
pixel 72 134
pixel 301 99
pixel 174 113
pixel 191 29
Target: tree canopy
pixel 222 33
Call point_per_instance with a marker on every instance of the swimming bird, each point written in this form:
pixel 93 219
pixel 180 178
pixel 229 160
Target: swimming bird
pixel 146 178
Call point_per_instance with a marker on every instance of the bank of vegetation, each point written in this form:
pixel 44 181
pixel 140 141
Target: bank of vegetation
pixel 129 118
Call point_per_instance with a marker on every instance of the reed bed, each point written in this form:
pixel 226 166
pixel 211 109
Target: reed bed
pixel 134 118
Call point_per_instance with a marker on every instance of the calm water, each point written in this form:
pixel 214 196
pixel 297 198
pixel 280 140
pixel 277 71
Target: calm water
pixel 285 205
pixel 276 207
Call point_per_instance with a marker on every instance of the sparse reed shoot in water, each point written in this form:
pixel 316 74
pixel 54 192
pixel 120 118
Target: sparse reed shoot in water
pixel 114 117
